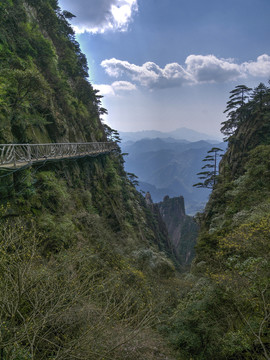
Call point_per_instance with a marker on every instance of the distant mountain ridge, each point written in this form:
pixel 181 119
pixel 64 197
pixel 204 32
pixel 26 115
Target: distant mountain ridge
pixel 158 144
pixel 169 168
pixel 182 133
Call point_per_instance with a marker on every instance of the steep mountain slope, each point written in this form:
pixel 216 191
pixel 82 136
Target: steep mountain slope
pixel 227 312
pixel 44 92
pixel 85 270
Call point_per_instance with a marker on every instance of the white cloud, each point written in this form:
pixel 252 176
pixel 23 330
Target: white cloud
pixel 104 89
pixel 260 68
pixel 149 74
pixel 115 88
pixel 123 86
pixel 98 16
pixel 211 69
pixel 197 69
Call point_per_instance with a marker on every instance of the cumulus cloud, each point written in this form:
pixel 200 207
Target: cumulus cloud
pixel 115 88
pixel 123 86
pixel 197 69
pixel 98 16
pixel 211 69
pixel 260 68
pixel 149 74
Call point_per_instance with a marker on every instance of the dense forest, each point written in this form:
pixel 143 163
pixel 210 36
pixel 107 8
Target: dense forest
pixel 87 271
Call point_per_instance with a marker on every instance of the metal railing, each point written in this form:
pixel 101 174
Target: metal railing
pixel 20 154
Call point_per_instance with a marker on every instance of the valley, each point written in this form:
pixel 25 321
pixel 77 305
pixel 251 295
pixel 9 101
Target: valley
pixel 167 166
pixel 90 267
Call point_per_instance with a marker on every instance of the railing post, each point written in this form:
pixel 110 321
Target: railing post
pixel 14 156
pixel 2 155
pixel 29 153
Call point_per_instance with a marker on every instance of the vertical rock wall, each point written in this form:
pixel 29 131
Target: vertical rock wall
pixel 182 228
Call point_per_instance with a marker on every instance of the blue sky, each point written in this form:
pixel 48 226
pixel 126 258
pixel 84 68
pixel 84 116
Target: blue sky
pixel 165 64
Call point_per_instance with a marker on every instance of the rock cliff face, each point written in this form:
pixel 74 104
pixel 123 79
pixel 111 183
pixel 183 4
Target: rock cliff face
pixel 178 229
pixel 182 228
pixel 159 227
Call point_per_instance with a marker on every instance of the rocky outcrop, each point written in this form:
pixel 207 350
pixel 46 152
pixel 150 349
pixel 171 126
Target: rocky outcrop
pixel 159 227
pixel 178 230
pixel 182 229
pixel 148 198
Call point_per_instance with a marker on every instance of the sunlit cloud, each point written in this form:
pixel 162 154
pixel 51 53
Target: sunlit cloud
pixel 99 16
pixel 197 69
pixel 209 68
pixel 105 90
pixel 123 86
pixel 149 74
pixel 116 88
pixel 260 68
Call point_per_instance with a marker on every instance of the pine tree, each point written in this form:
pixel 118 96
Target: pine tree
pixel 236 110
pixel 209 176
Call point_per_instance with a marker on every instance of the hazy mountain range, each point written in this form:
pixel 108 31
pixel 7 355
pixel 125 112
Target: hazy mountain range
pixel 178 134
pixel 167 166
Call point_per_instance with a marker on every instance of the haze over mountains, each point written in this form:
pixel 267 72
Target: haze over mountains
pixel 177 134
pixel 169 166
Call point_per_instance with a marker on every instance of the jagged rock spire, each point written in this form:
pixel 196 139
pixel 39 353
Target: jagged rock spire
pixel 148 198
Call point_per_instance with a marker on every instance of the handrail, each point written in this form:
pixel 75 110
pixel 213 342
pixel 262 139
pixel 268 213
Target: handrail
pixel 17 155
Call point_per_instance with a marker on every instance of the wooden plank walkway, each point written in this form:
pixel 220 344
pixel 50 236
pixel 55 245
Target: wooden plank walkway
pixel 14 156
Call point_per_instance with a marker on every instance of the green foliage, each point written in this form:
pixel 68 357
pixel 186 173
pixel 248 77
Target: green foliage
pixel 228 312
pixel 81 271
pixel 96 297
pixel 52 191
pixel 86 297
pixel 242 198
pixel 153 262
pixel 232 264
pixel 209 176
pixel 72 285
pixel 250 129
pixel 24 99
pixel 200 321
pixel 237 109
pixel 44 93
